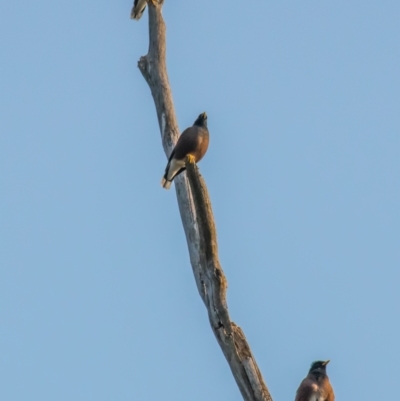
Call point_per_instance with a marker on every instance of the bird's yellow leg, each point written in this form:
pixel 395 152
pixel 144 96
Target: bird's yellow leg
pixel 190 159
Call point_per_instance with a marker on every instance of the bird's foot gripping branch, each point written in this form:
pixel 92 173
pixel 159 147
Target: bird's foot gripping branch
pixel 190 159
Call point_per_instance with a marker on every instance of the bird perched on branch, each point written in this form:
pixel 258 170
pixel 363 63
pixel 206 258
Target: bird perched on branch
pixel 193 143
pixel 316 386
pixel 138 9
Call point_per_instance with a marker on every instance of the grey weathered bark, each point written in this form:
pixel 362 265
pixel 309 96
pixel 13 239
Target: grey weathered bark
pixel 198 222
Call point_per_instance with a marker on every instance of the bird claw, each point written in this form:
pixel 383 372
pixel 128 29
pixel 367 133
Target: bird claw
pixel 190 159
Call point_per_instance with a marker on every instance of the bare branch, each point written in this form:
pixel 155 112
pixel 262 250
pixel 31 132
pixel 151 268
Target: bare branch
pixel 198 222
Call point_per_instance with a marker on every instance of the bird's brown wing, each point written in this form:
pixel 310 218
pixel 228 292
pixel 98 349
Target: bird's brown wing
pixel 187 142
pixel 305 390
pixel 331 397
pixel 328 390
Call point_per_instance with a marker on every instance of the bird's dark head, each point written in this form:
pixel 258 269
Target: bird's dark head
pixel 201 120
pixel 319 367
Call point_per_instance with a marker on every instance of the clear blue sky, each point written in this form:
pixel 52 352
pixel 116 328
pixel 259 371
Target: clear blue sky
pixel 97 297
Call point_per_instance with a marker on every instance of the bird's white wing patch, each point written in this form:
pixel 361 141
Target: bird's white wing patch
pixel 174 167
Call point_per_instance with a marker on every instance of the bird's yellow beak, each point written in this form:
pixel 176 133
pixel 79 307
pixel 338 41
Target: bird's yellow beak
pixel 326 362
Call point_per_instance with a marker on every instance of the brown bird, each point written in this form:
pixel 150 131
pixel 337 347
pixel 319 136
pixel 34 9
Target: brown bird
pixel 316 386
pixel 192 143
pixel 138 9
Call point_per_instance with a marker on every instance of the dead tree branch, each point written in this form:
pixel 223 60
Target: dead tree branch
pixel 198 222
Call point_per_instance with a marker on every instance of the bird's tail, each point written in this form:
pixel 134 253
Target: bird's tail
pixel 138 9
pixel 165 183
